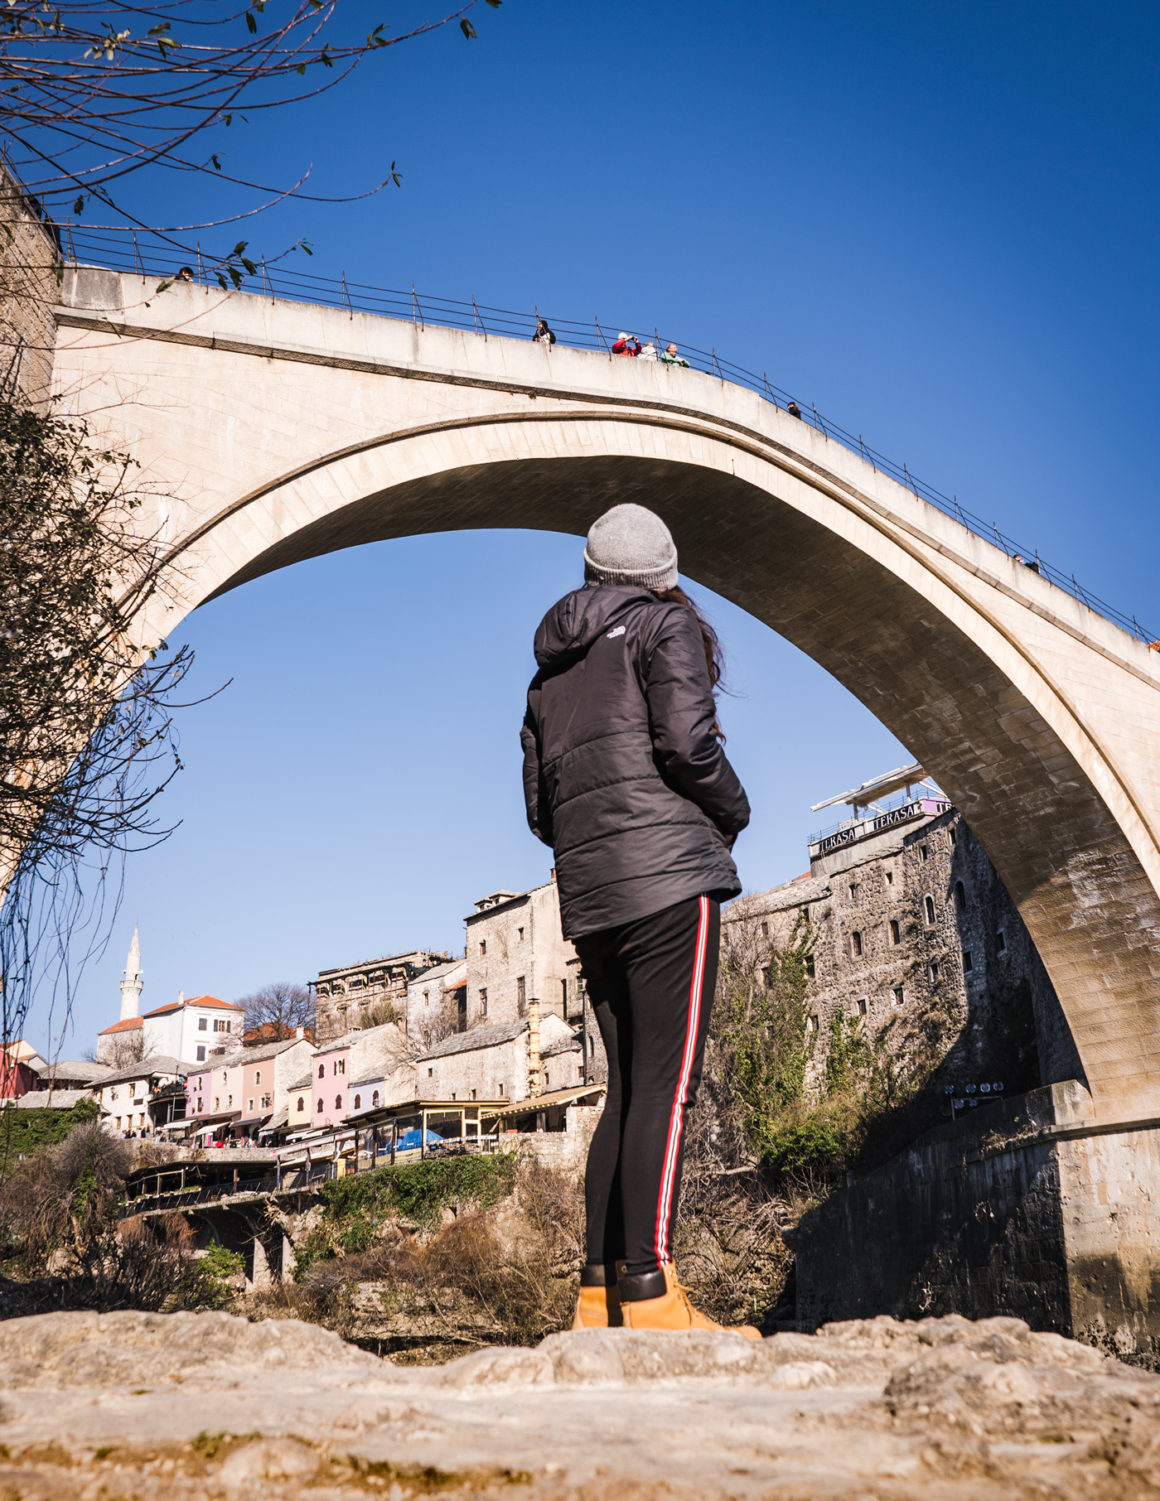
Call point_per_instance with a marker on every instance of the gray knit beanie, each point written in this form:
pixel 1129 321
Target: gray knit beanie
pixel 630 545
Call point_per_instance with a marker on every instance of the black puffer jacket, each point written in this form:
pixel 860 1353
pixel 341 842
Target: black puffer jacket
pixel 623 775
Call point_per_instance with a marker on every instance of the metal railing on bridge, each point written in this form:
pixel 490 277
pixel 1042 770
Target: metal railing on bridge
pixel 125 253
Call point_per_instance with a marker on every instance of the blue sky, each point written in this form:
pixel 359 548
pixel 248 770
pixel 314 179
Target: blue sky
pixel 939 223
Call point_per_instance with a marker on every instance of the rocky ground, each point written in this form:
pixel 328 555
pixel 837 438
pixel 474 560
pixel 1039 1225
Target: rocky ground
pixel 191 1407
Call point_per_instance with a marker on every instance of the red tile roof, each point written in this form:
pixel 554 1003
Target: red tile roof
pixel 197 1000
pixel 128 1025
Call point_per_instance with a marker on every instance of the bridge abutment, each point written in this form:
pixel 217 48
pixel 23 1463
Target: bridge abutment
pixel 1027 1207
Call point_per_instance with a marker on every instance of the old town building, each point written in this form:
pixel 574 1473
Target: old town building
pixel 367 994
pixel 515 953
pixel 912 934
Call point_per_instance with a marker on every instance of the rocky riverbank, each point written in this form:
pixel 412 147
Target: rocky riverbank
pixel 205 1405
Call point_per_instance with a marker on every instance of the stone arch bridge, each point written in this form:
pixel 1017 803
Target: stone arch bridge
pixel 278 430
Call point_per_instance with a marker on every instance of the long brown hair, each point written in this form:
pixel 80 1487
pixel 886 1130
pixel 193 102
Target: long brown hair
pixel 714 656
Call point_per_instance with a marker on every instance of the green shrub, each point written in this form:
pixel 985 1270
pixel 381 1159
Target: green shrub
pixel 418 1192
pixel 23 1132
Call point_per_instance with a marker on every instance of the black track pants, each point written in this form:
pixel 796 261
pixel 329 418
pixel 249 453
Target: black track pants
pixel 651 986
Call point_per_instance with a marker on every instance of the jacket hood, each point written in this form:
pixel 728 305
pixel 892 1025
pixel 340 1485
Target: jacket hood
pixel 575 622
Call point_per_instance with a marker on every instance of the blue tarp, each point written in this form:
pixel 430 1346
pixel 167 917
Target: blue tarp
pixel 411 1140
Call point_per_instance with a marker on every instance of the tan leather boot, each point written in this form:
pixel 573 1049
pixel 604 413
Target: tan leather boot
pixel 598 1308
pixel 671 1309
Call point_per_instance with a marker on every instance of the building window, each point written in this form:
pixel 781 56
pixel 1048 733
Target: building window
pixel 301 1104
pixel 898 995
pixel 430 1073
pixel 960 895
pixel 320 1107
pixel 856 944
pixel 564 996
pixel 501 1088
pixel 889 874
pixel 1000 941
pixel 853 891
pixel 338 1102
pixel 767 976
pixel 483 1003
pixel 358 1102
pixel 374 1099
pixel 229 1102
pixel 895 933
pixel 266 1102
pixel 933 968
pixel 864 1006
pixel 953 834
pixel 812 1024
pixel 200 1106
pixel 520 933
pixel 201 1053
pixel 217 1103
pixel 765 930
pixel 257 1076
pixel 224 1076
pixel 522 994
pixel 201 1024
pixel 220 1026
pixel 322 1070
pixel 924 852
pixel 928 908
pixel 967 962
pixel 810 966
pixel 426 998
pixel 482 947
pixel 806 913
pixel 340 1066
pixel 250 1108
pixel 473 1091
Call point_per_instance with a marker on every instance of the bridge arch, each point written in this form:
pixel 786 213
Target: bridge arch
pixel 1036 715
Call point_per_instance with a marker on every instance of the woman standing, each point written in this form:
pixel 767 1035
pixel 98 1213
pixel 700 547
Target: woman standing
pixel 625 778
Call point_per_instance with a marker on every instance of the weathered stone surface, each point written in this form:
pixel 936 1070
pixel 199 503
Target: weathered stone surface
pixel 878 1410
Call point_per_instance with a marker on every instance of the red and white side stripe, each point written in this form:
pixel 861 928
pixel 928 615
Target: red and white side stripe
pixel 680 1099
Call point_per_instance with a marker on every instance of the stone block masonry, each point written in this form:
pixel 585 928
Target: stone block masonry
pixel 1021 1208
pixel 30 271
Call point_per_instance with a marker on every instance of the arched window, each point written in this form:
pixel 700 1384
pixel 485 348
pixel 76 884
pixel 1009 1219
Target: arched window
pixel 322 1070
pixel 856 944
pixel 338 1102
pixel 895 932
pixel 358 1102
pixel 320 1107
pixel 375 1098
pixel 928 905
pixel 258 1076
pixel 301 1103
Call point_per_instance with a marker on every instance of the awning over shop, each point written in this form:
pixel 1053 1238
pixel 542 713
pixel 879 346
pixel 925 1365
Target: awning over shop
pixel 557 1098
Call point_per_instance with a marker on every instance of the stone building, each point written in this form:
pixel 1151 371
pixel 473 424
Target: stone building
pixel 913 934
pixel 367 994
pixel 436 1003
pixel 516 952
pixel 493 1062
pixel 29 288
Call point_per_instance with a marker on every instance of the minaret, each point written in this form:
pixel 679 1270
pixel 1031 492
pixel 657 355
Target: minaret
pixel 131 984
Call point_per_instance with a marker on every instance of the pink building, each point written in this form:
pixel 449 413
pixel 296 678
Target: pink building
pixel 20 1069
pixel 331 1076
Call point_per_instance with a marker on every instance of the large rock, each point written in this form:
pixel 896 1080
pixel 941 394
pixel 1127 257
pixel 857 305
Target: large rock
pixel 201 1406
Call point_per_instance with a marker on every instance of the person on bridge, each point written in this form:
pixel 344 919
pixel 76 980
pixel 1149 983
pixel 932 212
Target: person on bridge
pixel 627 344
pixel 649 352
pixel 672 356
pixel 543 334
pixel 626 780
